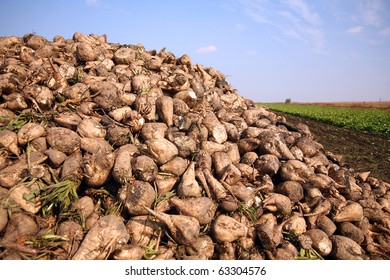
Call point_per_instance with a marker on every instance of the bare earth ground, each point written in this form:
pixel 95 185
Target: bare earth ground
pixel 361 151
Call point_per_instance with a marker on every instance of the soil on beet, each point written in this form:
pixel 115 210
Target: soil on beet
pixel 361 151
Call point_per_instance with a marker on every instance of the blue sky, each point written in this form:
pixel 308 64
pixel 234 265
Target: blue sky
pixel 270 50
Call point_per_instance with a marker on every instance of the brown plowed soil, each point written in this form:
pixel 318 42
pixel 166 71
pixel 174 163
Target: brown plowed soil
pixel 361 151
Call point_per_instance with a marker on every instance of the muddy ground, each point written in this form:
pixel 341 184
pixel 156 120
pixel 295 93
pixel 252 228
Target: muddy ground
pixel 362 151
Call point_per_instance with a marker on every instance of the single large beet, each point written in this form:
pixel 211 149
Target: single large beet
pixel 63 139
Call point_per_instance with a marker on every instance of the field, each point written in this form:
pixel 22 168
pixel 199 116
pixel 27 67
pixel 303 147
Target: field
pixel 366 117
pixel 362 151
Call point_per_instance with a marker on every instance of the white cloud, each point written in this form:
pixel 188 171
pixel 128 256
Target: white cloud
pixel 317 39
pixel 279 40
pixel 308 32
pixel 92 2
pixel 207 49
pixel 292 32
pixel 96 4
pixel 256 10
pixel 240 26
pixel 370 12
pixel 355 29
pixel 303 10
pixel 292 18
pixel 251 53
pixel 385 32
pixel 257 17
pixel 289 16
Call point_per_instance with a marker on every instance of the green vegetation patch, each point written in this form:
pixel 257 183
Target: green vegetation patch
pixel 372 120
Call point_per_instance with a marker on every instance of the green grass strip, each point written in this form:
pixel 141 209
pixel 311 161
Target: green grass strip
pixel 371 120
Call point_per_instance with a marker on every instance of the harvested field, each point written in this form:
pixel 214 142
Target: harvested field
pixel 361 151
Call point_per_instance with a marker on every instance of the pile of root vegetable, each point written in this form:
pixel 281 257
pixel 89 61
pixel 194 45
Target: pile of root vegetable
pixel 110 151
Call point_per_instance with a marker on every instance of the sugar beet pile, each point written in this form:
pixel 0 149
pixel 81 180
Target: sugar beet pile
pixel 111 151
